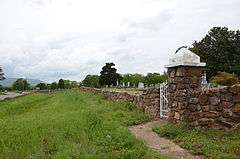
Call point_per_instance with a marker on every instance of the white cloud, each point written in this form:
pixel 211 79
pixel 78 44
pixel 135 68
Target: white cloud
pixel 52 39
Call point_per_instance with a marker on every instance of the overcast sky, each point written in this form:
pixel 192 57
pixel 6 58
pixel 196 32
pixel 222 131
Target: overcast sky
pixel 52 39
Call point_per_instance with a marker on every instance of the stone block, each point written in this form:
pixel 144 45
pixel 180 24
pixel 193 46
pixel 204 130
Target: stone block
pixel 205 108
pixel 171 73
pixel 194 124
pixel 181 86
pixel 226 104
pixel 226 97
pixel 224 90
pixel 194 108
pixel 213 91
pixel 177 116
pixel 225 123
pixel 227 113
pixel 193 100
pixel 180 72
pixel 211 114
pixel 236 98
pixel 214 100
pixel 236 108
pixel 182 105
pixel 194 116
pixel 235 89
pixel 203 99
pixel 205 121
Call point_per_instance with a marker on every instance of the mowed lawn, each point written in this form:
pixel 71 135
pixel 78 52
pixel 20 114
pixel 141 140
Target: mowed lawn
pixel 69 124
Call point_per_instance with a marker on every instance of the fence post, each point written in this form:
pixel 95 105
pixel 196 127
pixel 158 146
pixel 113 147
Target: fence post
pixel 185 73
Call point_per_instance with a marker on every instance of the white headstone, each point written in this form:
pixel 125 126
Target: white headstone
pixel 117 83
pixel 140 85
pixel 123 84
pixel 185 57
pixel 128 84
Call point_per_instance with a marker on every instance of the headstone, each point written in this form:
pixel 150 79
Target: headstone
pixel 140 85
pixel 123 84
pixel 117 83
pixel 128 84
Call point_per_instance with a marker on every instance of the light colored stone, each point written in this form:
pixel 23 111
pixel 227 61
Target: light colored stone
pixel 185 57
pixel 177 116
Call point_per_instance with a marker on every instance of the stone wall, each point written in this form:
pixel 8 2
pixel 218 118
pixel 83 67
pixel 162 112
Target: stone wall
pixel 148 101
pixel 215 108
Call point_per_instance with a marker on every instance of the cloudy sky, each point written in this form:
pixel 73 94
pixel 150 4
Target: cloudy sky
pixel 52 39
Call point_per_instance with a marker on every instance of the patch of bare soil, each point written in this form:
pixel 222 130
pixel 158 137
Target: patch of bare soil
pixel 164 146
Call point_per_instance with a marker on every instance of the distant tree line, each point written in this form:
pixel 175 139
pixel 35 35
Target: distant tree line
pixel 62 84
pixel 110 77
pixel 133 79
pixel 23 85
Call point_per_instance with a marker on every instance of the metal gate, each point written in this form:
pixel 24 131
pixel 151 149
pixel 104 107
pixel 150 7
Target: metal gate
pixel 163 100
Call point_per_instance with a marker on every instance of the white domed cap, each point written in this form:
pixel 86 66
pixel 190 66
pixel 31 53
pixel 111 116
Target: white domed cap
pixel 185 57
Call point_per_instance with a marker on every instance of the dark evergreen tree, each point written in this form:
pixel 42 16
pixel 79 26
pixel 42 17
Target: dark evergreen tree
pixel 61 84
pixel 109 75
pixel 42 86
pixel 220 49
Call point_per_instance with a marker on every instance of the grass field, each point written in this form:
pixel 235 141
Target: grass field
pixel 69 124
pixel 211 143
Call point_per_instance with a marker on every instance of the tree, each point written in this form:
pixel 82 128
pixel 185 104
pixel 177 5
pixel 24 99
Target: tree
pixel 61 84
pixel 54 86
pixel 1 88
pixel 21 85
pixel 91 81
pixel 155 78
pixel 74 84
pixel 220 49
pixel 134 79
pixel 1 74
pixel 42 86
pixel 109 75
pixel 67 84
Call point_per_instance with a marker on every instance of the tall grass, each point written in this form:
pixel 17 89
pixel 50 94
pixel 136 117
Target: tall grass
pixel 69 124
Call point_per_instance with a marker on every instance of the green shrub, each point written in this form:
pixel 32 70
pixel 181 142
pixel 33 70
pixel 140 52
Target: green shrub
pixel 225 79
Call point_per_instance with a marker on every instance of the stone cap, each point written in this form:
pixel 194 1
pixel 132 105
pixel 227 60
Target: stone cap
pixel 185 57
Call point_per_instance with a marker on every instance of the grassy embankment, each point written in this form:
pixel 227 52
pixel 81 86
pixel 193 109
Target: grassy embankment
pixel 214 144
pixel 69 124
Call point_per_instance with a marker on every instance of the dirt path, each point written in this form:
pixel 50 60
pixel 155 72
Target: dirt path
pixel 164 146
pixel 11 95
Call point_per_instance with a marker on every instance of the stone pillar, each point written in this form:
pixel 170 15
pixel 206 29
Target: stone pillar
pixel 183 81
pixel 185 73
